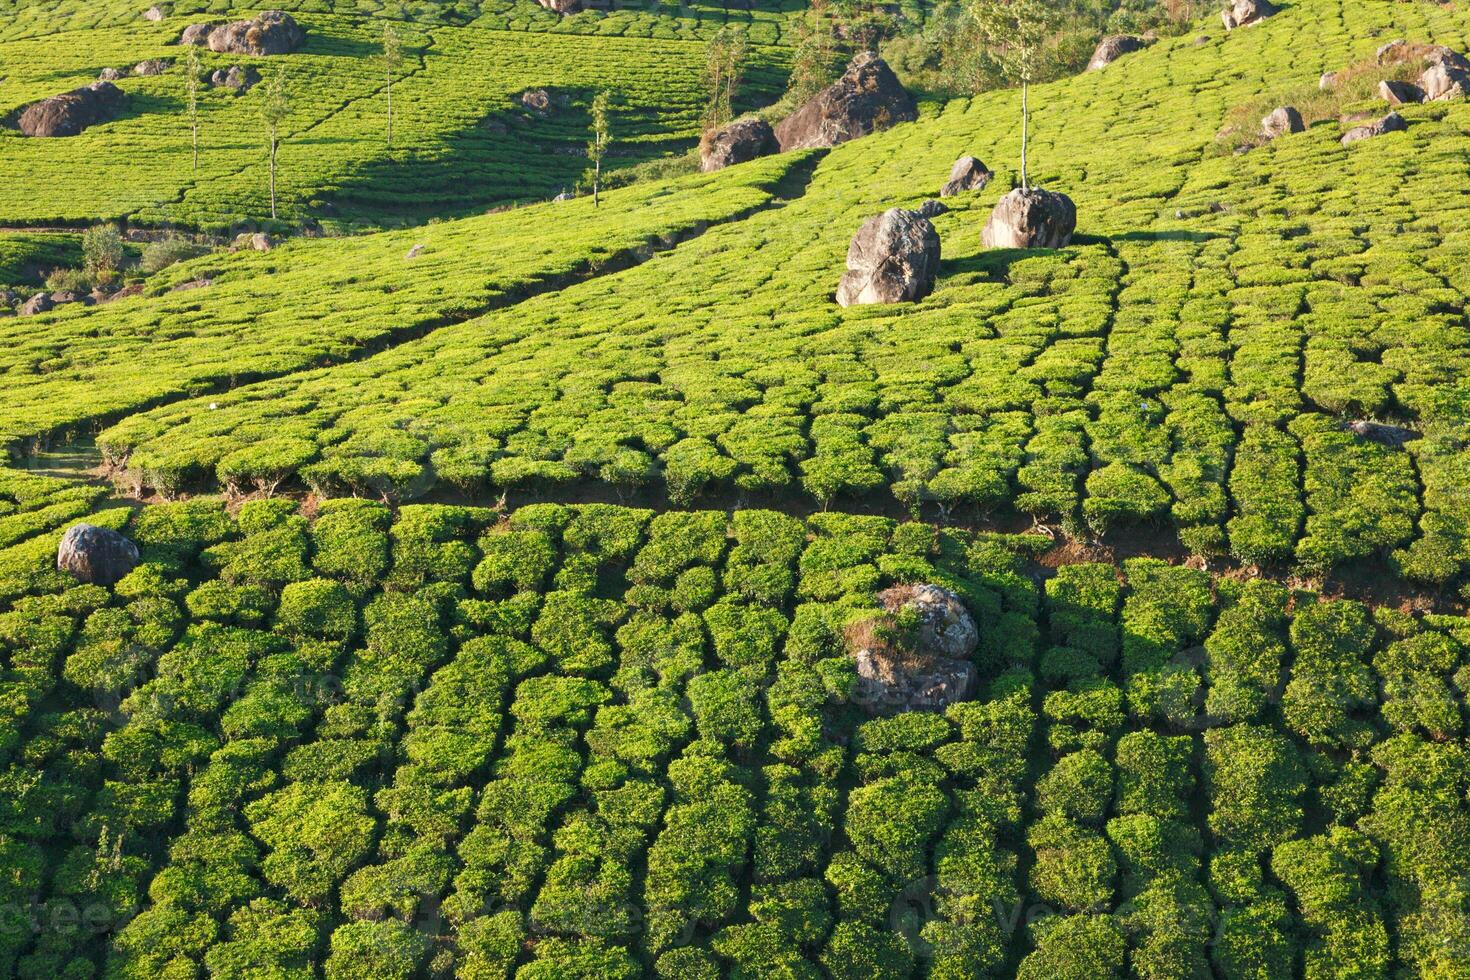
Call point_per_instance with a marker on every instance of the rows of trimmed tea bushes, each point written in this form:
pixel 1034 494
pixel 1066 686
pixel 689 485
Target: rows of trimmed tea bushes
pixel 322 301
pixel 1186 361
pixel 26 259
pixel 457 119
pixel 598 740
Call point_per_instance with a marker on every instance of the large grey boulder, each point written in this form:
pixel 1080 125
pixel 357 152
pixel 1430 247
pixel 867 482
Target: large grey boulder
pixel 1391 123
pixel 1281 121
pixel 1444 80
pixel 1111 48
pixel 916 655
pixel 1399 93
pixel 741 141
pixel 96 555
pixel 270 32
pixel 967 174
pixel 894 258
pixel 1243 13
pixel 71 112
pixel 866 99
pixel 1031 218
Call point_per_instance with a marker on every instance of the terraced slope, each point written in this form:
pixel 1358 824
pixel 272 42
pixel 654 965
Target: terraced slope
pixel 1187 362
pixel 462 139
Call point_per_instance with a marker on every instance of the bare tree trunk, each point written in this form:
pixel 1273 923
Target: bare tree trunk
pixel 390 108
pixel 1025 124
pixel 597 180
pixel 273 173
pixel 194 127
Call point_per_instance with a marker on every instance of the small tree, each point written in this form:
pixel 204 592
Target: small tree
pixel 815 52
pixel 597 146
pixel 392 61
pixel 724 67
pixel 192 69
pixel 275 104
pixel 102 253
pixel 1016 33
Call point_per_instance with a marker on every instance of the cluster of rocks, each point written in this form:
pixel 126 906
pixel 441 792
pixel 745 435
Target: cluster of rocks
pixel 71 112
pixel 1446 73
pixel 96 555
pixel 926 670
pixel 867 98
pixel 1113 47
pixel 44 302
pixel 237 78
pixel 143 69
pixel 271 32
pixel 1244 13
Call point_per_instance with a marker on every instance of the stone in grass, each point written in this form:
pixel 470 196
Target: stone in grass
pixel 112 75
pixel 1031 218
pixel 915 655
pixel 1391 123
pixel 97 555
pixel 154 14
pixel 739 142
pixel 259 242
pixel 1328 82
pixel 39 303
pixel 1281 121
pixel 151 67
pixel 1113 47
pixel 933 209
pixel 894 258
pixel 1244 13
pixel 1399 93
pixel 967 174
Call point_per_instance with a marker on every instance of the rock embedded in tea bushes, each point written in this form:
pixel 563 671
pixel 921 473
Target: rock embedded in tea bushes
pixel 1281 121
pixel 967 174
pixel 739 142
pixel 933 209
pixel 151 67
pixel 867 98
pixel 915 655
pixel 1113 47
pixel 39 303
pixel 1031 218
pixel 271 32
pixel 1391 123
pixel 71 112
pixel 1443 81
pixel 893 258
pixel 1244 13
pixel 96 555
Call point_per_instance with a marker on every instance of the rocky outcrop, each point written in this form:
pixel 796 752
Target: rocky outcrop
pixel 153 66
pixel 96 555
pixel 271 32
pixel 1031 218
pixel 71 112
pixel 1244 13
pixel 1111 48
pixel 741 141
pixel 1282 121
pixel 894 258
pixel 239 79
pixel 915 656
pixel 1392 52
pixel 1391 123
pixel 1444 80
pixel 866 99
pixel 1399 93
pixel 967 174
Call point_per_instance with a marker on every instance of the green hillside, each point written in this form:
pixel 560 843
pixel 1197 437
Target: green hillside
pixel 502 579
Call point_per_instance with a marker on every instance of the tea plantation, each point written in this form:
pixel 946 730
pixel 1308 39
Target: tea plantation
pixel 499 578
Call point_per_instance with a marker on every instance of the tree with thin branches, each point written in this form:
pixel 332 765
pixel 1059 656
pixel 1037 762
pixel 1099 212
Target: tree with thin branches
pixel 597 146
pixel 1016 32
pixel 192 70
pixel 392 62
pixel 724 69
pixel 274 106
